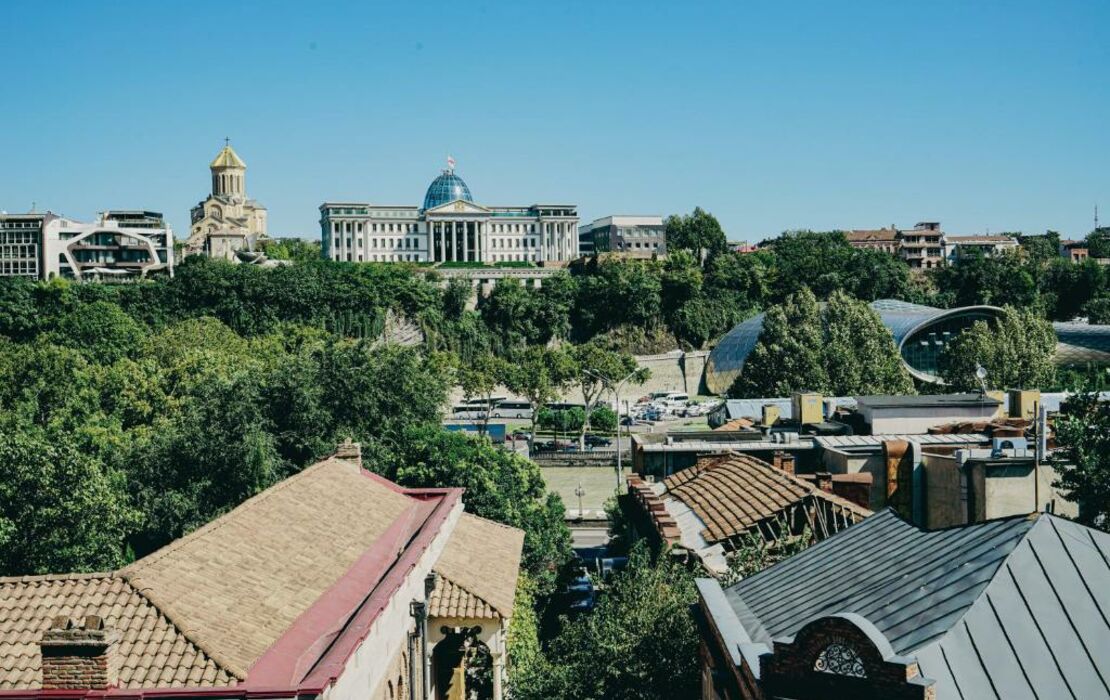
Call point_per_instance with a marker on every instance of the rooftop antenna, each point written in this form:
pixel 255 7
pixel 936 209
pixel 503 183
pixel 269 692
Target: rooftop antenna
pixel 227 142
pixel 1096 217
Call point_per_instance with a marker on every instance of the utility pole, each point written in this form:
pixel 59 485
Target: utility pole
pixel 606 381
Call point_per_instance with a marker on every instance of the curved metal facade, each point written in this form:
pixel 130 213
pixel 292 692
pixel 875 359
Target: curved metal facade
pixel 1081 344
pixel 920 333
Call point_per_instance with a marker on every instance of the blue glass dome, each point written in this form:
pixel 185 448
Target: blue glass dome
pixel 446 188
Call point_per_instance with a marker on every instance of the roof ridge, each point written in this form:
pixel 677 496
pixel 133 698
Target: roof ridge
pixel 503 526
pixel 167 611
pixel 131 570
pixel 455 583
pixel 31 578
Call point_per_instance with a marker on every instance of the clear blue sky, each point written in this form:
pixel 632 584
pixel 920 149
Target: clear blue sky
pixel 772 115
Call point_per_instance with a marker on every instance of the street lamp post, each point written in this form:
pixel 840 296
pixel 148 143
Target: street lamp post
pixel 617 396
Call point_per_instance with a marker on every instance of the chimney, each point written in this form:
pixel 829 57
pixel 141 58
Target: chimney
pixel 824 481
pixel 350 451
pixel 79 654
pixel 776 459
pixel 788 463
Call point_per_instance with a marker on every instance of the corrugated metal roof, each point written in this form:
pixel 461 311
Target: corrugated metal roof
pixel 1012 608
pixel 874 440
pixel 720 446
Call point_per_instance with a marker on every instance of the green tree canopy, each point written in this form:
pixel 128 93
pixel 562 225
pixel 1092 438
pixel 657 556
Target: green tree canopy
pixel 787 357
pixel 1017 352
pixel 500 486
pixel 61 509
pixel 843 349
pixel 1082 455
pixel 639 643
pixel 858 352
pixel 698 232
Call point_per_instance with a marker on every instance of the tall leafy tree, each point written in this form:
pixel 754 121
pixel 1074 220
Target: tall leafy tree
pixel 479 379
pixel 639 643
pixel 859 354
pixel 61 508
pixel 787 357
pixel 599 369
pixel 541 375
pixel 698 232
pixel 1017 352
pixel 1082 457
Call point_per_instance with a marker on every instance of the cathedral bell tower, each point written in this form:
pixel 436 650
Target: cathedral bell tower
pixel 229 174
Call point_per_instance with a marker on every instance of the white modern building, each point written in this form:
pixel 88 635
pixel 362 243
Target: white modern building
pixel 449 228
pixel 629 236
pixel 119 244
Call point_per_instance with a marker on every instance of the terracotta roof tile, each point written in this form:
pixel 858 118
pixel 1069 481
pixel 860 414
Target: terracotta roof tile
pixel 733 493
pixel 242 580
pixel 29 604
pixel 477 570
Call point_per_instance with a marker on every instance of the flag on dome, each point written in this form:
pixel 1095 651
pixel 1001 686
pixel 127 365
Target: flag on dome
pixel 450 162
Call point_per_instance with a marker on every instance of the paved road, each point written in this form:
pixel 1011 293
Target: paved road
pixel 586 537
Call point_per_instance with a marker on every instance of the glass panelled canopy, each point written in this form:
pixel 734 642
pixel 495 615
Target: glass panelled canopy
pixel 919 332
pixel 446 188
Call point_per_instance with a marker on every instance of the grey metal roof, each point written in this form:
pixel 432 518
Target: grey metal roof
pixel 927 400
pixel 1011 608
pixel 876 440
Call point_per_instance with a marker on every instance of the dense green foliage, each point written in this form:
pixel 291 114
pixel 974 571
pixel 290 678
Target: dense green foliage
pixel 640 642
pixel 1082 457
pixel 129 420
pixel 1016 351
pixel 842 349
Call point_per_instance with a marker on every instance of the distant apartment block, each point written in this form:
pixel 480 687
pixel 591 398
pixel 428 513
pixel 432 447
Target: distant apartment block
pixel 921 247
pixel 21 245
pixel 629 236
pixel 956 247
pixel 119 244
pixel 1075 251
pixel 884 239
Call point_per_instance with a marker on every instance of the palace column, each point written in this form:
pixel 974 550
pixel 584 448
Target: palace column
pixel 466 241
pixel 455 241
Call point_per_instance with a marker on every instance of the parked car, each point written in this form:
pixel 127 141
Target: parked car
pixel 580 593
pixel 598 441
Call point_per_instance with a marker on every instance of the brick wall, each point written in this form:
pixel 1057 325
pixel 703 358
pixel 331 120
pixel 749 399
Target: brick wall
pixel 791 670
pixel 79 654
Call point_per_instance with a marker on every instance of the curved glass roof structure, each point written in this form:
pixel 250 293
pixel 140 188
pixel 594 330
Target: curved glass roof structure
pixel 1082 344
pixel 920 332
pixel 446 188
